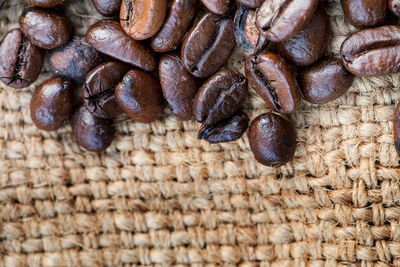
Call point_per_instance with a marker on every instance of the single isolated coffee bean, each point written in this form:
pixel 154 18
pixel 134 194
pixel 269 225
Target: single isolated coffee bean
pixel 47 3
pixel 141 19
pixel 250 3
pixel 227 130
pixel 272 78
pixel 93 133
pixel 181 14
pixel 52 104
pixel 108 37
pixel 396 128
pixel 365 13
pixel 280 20
pixel 394 6
pixel 219 7
pixel 372 52
pixel 140 97
pixel 45 28
pixel 98 90
pixel 107 8
pixel 20 61
pixel 272 140
pixel 325 81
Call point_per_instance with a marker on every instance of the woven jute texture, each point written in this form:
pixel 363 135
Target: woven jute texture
pixel 158 196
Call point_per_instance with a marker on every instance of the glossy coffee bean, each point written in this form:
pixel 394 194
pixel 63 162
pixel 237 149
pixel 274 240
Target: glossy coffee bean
pixel 107 8
pixel 372 52
pixel 181 14
pixel 272 140
pixel 272 78
pixel 394 6
pixel 108 37
pixel 140 96
pixel 98 90
pixel 325 81
pixel 280 20
pixel 141 19
pixel 45 28
pixel 396 128
pixel 220 97
pixel 75 59
pixel 52 104
pixel 178 85
pixel 306 47
pixel 365 13
pixel 208 45
pixel 47 3
pixel 250 3
pixel 218 7
pixel 227 130
pixel 20 61
pixel 93 133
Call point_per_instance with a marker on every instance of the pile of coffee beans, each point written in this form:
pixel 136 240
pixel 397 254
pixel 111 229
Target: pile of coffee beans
pixel 156 51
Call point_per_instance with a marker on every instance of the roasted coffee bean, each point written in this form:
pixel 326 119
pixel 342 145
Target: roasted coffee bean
pixel 227 130
pixel 92 133
pixel 220 97
pixel 280 20
pixel 45 28
pixel 250 3
pixel 208 45
pixel 325 81
pixel 141 19
pixel 139 95
pixel 218 7
pixel 107 8
pixel 372 52
pixel 98 90
pixel 365 13
pixel 306 47
pixel 47 3
pixel 75 59
pixel 20 61
pixel 178 85
pixel 272 140
pixel 272 78
pixel 181 14
pixel 394 6
pixel 52 104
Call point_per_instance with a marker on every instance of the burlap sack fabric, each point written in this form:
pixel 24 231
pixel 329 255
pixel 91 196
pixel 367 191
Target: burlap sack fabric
pixel 158 196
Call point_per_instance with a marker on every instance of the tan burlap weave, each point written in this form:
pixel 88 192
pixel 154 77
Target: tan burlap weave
pixel 158 196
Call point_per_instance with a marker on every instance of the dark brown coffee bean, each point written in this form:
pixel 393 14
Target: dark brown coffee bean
pixel 139 95
pixel 47 3
pixel 394 6
pixel 250 3
pixel 220 97
pixel 325 81
pixel 181 14
pixel 218 7
pixel 227 130
pixel 93 133
pixel 45 28
pixel 98 90
pixel 107 8
pixel 20 61
pixel 306 47
pixel 178 85
pixel 52 104
pixel 272 140
pixel 365 13
pixel 108 37
pixel 75 59
pixel 372 52
pixel 274 81
pixel 141 19
pixel 280 20
pixel 208 45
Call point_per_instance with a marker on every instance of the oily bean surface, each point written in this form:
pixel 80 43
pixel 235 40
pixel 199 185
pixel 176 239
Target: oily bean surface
pixel 219 7
pixel 365 13
pixel 47 3
pixel 250 3
pixel 394 6
pixel 107 8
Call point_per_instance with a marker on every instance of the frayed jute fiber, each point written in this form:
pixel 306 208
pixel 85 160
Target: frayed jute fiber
pixel 158 196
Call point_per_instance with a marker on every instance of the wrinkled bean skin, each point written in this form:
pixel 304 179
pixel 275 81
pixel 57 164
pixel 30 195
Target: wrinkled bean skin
pixel 141 19
pixel 208 45
pixel 140 96
pixel 306 47
pixel 280 20
pixel 20 61
pixel 45 28
pixel 52 104
pixel 372 52
pixel 181 14
pixel 272 78
pixel 227 130
pixel 107 8
pixel 219 7
pixel 108 37
pixel 272 140
pixel 365 13
pixel 250 3
pixel 47 3
pixel 394 6
pixel 396 128
pixel 178 85
pixel 325 81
